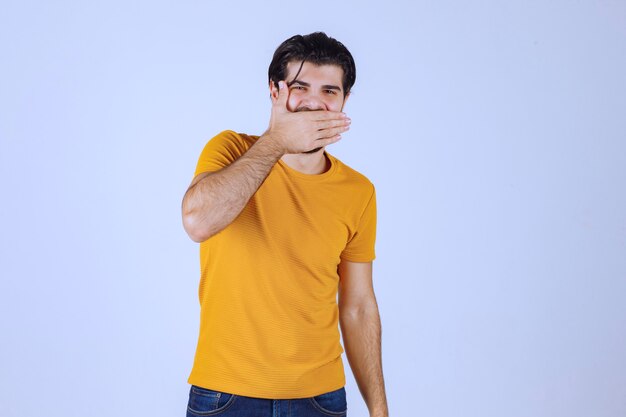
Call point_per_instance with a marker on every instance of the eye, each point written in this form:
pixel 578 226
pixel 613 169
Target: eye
pixel 333 92
pixel 298 87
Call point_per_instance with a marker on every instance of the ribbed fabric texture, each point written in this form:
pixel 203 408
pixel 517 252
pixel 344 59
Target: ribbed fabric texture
pixel 268 284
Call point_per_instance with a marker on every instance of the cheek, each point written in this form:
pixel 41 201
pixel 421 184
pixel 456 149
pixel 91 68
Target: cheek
pixel 292 102
pixel 334 105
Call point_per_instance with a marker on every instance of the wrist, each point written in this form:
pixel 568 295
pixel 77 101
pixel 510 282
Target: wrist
pixel 381 411
pixel 272 144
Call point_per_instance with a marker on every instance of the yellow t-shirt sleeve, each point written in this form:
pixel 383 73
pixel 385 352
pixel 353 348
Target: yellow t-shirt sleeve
pixel 222 150
pixel 360 247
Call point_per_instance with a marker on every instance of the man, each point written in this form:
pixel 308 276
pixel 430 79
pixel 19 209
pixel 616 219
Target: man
pixel 284 228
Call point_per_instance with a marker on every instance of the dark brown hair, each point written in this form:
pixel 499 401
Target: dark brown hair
pixel 316 48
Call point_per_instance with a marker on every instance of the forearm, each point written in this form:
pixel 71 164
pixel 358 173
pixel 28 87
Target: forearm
pixel 362 341
pixel 217 199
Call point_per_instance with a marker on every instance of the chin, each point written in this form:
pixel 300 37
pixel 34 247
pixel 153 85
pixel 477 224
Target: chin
pixel 312 151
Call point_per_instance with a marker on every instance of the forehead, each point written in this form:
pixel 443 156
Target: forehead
pixel 326 74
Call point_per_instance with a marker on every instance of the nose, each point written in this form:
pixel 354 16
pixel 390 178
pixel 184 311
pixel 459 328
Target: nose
pixel 312 101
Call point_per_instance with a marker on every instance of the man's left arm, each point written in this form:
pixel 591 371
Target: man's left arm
pixel 361 329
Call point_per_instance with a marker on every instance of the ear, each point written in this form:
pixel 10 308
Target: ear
pixel 273 92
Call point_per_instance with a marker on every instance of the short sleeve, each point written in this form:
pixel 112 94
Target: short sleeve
pixel 221 151
pixel 360 247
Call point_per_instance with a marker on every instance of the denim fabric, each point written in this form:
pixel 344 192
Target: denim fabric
pixel 206 402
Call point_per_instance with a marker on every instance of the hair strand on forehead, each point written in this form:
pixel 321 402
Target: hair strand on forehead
pixel 295 77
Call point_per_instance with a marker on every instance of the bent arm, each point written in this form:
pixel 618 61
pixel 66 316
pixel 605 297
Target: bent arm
pixel 215 199
pixel 361 329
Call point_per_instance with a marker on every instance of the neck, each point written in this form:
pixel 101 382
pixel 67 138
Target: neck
pixel 316 163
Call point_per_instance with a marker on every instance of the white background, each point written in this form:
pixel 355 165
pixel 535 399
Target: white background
pixel 494 132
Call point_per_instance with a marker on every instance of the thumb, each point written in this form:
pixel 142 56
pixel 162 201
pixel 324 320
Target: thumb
pixel 283 94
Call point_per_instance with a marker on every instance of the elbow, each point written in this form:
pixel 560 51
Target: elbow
pixel 197 214
pixel 350 315
pixel 357 312
pixel 196 230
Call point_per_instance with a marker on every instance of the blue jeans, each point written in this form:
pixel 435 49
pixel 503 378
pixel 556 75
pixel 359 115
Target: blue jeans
pixel 206 402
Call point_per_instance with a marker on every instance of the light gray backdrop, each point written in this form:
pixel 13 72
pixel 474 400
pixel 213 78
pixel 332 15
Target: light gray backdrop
pixel 494 132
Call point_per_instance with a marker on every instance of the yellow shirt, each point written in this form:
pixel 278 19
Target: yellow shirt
pixel 269 282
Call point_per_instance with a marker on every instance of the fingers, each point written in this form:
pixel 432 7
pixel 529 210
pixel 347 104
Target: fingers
pixel 332 132
pixel 326 124
pixel 327 141
pixel 330 128
pixel 325 115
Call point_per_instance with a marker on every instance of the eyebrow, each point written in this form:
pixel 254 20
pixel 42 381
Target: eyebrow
pixel 324 87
